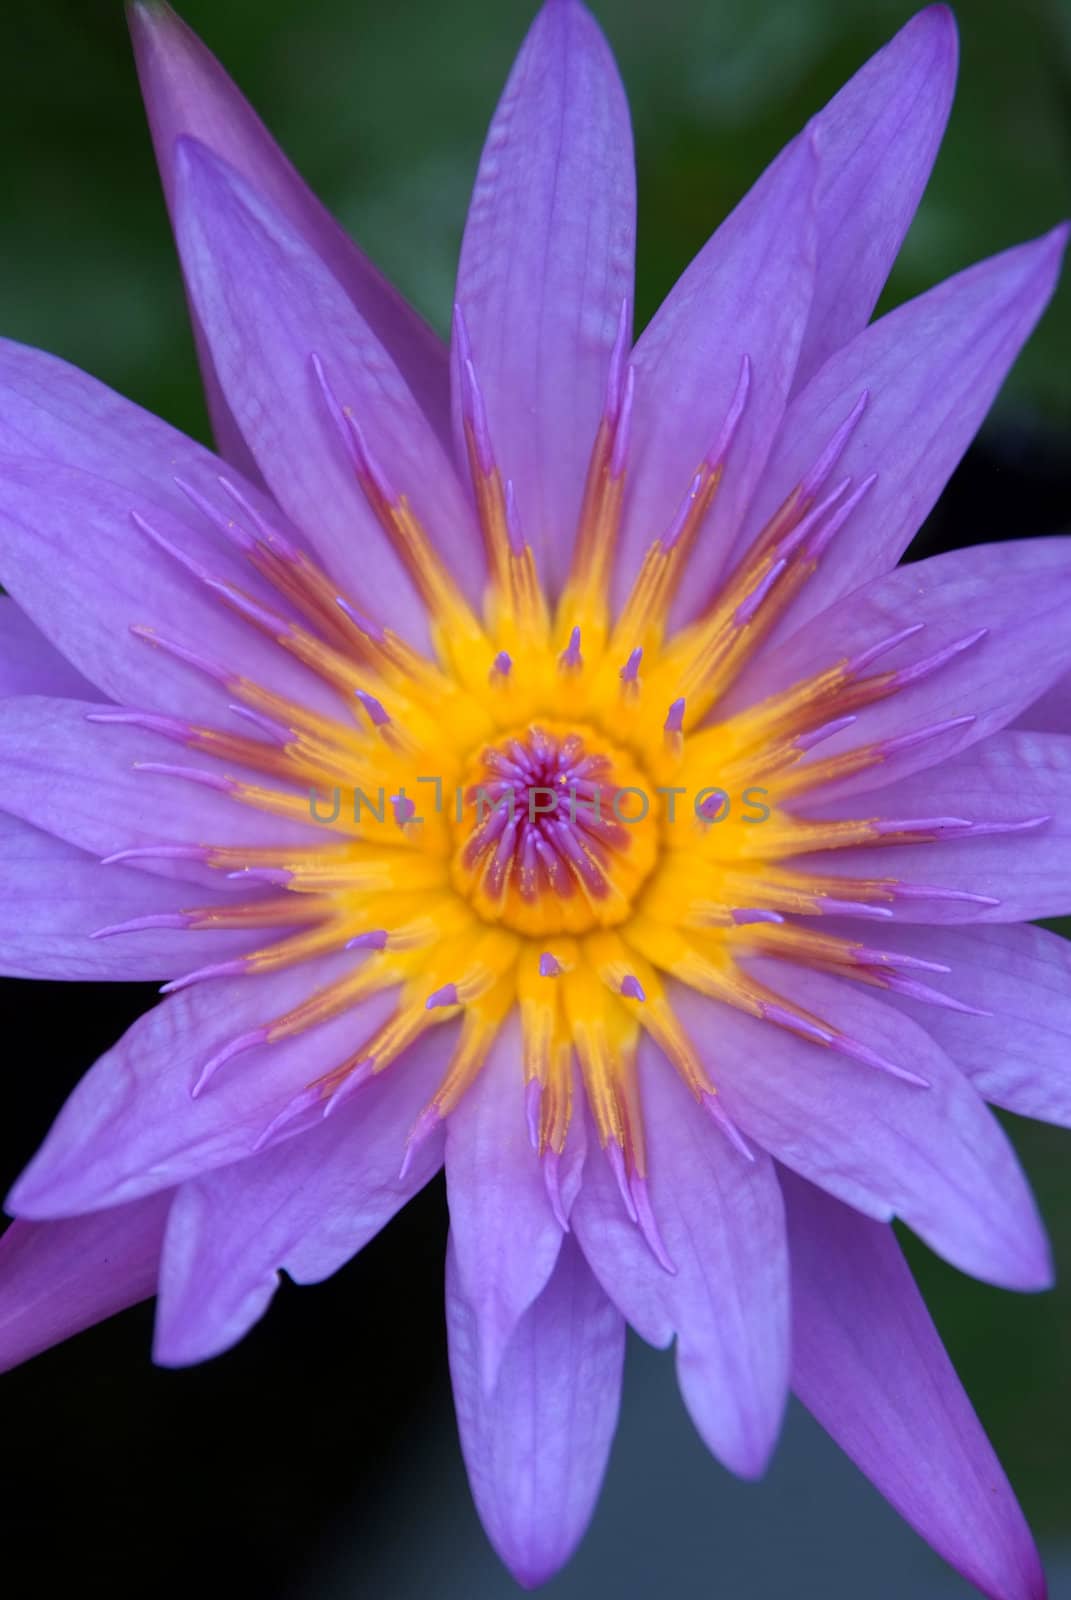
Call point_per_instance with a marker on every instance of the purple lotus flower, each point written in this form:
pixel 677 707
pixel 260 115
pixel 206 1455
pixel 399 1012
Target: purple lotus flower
pixel 529 758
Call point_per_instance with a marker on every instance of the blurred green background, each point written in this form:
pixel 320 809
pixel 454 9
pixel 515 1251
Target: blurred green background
pixel 384 109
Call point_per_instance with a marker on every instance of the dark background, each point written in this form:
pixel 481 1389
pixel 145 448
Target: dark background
pixel 319 1459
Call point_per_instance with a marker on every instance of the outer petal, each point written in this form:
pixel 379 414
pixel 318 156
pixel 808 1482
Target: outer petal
pixel 867 1360
pixel 876 142
pixel 131 1125
pixel 187 92
pixel 55 896
pixel 76 460
pixel 57 1278
pixel 747 294
pixel 536 1449
pixel 1007 780
pixel 1017 1052
pixel 77 779
pixel 935 1157
pixel 721 1220
pixel 505 1236
pixel 29 664
pixel 304 1207
pixel 268 306
pixel 546 265
pixel 1051 711
pixel 931 369
pixel 1012 597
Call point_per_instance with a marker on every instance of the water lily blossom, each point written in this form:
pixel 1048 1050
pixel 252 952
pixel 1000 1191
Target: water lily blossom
pixel 527 757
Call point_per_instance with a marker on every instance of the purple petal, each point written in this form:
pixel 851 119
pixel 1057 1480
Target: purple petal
pixel 131 1126
pixel 53 897
pixel 57 1278
pixel 29 664
pixel 722 1223
pixel 187 92
pixel 76 779
pixel 1017 1053
pixel 931 369
pixel 76 462
pixel 876 141
pixel 546 265
pixel 1051 711
pixel 304 1207
pixel 269 306
pixel 1016 789
pixel 1017 592
pixel 505 1235
pixel 935 1157
pixel 536 1449
pixel 746 295
pixel 868 1362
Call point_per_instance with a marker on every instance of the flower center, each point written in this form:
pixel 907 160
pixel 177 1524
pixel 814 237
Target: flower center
pixel 557 831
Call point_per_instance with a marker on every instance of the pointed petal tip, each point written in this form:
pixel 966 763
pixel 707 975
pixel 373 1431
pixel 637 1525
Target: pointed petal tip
pixel 940 22
pixel 151 16
pixel 42 1191
pixel 1037 1272
pixel 1023 1261
pixel 174 1352
pixel 1042 258
pixel 529 1574
pixel 19 1202
pixel 1057 237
